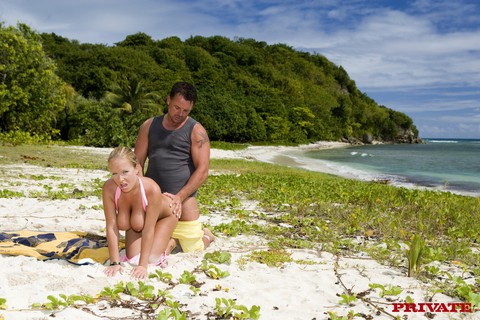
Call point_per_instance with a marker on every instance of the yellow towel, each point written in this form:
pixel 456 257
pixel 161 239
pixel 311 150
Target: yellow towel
pixel 75 247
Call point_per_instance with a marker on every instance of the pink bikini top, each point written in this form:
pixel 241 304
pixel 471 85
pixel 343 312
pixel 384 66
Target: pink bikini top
pixel 118 192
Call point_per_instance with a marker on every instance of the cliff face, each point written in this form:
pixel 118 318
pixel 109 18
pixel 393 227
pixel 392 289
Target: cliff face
pixel 407 136
pixel 403 136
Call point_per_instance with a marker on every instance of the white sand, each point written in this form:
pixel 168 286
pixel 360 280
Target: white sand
pixel 283 155
pixel 293 291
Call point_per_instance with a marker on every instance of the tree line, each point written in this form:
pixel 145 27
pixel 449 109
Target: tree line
pixel 55 88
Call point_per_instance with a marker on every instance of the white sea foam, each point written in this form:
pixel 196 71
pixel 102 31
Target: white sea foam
pixel 443 141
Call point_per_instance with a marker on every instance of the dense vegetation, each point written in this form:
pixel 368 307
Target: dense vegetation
pixel 249 91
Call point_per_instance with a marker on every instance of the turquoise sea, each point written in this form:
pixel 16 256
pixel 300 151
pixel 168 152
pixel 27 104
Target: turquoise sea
pixel 444 164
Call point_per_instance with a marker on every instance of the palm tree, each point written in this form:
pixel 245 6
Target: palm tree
pixel 132 98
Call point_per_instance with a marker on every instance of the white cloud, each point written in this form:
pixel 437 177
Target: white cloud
pixel 387 50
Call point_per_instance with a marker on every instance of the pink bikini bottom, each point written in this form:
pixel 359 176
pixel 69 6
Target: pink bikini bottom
pixel 162 261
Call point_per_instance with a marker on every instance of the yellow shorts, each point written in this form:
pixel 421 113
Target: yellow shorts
pixel 190 235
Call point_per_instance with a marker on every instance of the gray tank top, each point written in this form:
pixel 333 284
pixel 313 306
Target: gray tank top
pixel 170 162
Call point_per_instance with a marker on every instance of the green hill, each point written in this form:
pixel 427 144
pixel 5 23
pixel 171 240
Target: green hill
pixel 249 91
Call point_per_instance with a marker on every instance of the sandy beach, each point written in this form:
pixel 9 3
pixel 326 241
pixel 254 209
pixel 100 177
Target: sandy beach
pixel 284 155
pixel 294 290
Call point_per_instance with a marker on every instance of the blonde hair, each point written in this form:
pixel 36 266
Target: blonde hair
pixel 123 152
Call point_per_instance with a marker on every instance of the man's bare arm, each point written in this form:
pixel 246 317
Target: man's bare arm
pixel 141 145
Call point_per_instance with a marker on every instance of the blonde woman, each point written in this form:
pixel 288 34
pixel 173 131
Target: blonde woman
pixel 136 205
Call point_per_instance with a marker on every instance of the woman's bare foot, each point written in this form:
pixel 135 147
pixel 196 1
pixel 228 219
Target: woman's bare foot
pixel 208 238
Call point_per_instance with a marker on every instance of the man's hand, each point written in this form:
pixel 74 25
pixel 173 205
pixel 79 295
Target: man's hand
pixel 175 205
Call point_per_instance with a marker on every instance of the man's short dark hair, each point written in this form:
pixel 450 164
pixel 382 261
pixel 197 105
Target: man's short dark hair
pixel 186 90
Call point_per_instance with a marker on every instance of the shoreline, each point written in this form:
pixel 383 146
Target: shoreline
pixel 284 155
pixel 292 157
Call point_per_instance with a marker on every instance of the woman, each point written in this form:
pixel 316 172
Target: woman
pixel 135 205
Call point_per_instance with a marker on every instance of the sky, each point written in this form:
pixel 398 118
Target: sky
pixel 420 57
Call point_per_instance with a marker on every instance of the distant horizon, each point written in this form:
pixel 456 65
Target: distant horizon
pixel 450 138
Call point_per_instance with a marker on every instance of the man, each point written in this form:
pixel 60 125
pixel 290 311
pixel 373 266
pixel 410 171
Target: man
pixel 178 152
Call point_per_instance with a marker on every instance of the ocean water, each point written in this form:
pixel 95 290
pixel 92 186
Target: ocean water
pixel 449 165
